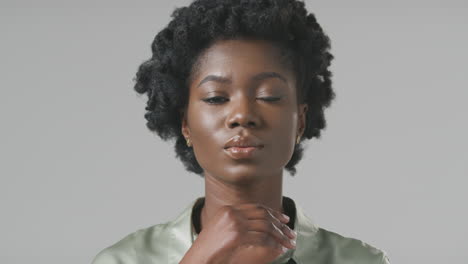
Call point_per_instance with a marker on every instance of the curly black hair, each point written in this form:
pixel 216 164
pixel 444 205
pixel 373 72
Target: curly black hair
pixel 165 77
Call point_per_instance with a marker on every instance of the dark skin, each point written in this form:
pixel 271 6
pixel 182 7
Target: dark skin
pixel 243 198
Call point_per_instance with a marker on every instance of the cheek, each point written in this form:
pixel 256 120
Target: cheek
pixel 205 131
pixel 284 125
pixel 283 137
pixel 204 122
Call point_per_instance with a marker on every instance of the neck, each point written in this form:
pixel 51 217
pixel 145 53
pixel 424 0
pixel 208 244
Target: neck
pixel 266 191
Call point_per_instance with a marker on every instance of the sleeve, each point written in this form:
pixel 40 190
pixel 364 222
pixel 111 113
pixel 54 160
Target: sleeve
pixel 385 258
pixel 105 257
pixel 121 252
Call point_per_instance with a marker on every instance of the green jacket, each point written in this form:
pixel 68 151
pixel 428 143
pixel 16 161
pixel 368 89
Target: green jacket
pixel 167 243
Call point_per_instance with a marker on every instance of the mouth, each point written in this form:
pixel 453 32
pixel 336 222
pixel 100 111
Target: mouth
pixel 243 147
pixel 247 152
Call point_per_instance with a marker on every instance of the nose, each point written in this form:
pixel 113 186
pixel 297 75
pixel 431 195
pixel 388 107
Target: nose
pixel 243 113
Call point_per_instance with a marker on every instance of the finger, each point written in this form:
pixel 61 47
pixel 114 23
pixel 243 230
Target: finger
pixel 255 213
pixel 255 206
pixel 282 226
pixel 264 240
pixel 270 229
pixel 288 231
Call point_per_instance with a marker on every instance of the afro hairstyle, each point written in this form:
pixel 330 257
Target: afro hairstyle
pixel 165 77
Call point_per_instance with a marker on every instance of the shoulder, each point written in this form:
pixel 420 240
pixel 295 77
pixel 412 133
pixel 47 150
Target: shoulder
pixel 127 249
pixel 349 250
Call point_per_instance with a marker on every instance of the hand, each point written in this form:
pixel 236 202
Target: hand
pixel 241 234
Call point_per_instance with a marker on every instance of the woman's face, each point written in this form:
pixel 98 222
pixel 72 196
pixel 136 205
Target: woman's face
pixel 241 88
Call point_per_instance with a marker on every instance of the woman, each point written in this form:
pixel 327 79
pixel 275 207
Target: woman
pixel 239 84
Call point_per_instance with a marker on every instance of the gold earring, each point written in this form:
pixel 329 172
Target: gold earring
pixel 298 139
pixel 188 142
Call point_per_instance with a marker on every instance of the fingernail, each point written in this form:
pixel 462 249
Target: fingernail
pixel 286 217
pixel 293 242
pixel 294 233
pixel 285 249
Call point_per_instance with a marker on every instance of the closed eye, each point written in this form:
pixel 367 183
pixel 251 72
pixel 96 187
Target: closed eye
pixel 270 99
pixel 213 100
pixel 220 99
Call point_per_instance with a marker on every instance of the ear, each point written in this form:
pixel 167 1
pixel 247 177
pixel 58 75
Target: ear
pixel 185 129
pixel 302 110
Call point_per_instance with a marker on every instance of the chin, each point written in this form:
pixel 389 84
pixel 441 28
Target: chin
pixel 242 174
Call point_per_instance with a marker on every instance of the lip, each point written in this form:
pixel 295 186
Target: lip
pixel 243 141
pixel 242 152
pixel 243 147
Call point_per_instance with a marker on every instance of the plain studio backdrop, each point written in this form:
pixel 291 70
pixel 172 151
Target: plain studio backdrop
pixel 79 169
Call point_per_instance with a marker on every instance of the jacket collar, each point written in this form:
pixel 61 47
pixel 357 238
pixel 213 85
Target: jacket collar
pixel 183 234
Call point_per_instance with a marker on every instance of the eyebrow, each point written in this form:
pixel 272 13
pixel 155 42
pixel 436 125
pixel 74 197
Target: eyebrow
pixel 258 77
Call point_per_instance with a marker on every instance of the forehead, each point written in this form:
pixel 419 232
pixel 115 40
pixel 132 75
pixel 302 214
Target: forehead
pixel 242 57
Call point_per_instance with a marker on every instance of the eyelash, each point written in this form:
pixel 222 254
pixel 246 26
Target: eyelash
pixel 267 99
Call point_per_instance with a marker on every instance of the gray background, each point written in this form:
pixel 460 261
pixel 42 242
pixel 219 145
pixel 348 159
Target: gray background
pixel 79 170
